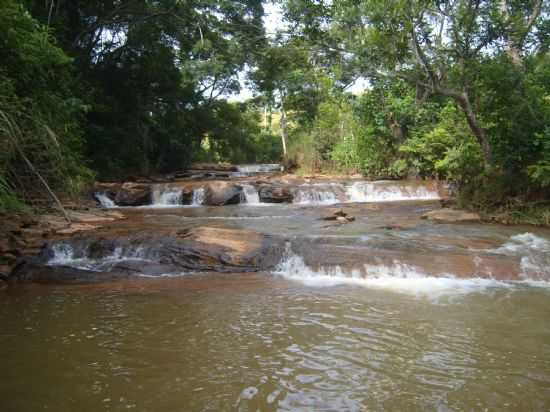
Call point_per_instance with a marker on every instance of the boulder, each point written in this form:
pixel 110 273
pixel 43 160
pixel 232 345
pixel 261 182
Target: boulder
pixel 451 216
pixel 275 194
pixel 222 193
pixel 217 167
pixel 338 215
pixel 133 194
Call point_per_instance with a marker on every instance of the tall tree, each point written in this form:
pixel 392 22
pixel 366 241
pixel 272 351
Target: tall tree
pixel 152 71
pixel 436 46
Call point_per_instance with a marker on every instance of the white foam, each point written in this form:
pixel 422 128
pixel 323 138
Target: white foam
pixel 397 277
pixel 104 200
pixel 388 192
pixel 523 243
pixel 198 196
pixel 534 252
pixel 251 195
pixel 65 255
pixel 315 195
pixel 260 168
pixel 165 196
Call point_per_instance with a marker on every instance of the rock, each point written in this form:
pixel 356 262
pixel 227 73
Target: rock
pixel 76 227
pixel 222 193
pixel 275 194
pixel 199 249
pixel 53 222
pixel 217 167
pixel 451 216
pixel 133 194
pixel 114 214
pixel 339 215
pixel 81 217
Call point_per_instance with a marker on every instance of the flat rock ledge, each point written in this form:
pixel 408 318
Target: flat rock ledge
pixel 88 259
pixel 451 216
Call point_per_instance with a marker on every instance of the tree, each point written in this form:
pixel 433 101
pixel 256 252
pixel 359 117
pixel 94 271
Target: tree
pixel 435 46
pixel 287 76
pixel 39 111
pixel 152 72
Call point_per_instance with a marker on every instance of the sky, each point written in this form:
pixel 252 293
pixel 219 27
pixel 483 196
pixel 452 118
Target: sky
pixel 273 20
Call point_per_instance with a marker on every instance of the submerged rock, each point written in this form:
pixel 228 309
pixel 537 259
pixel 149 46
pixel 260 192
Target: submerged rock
pixel 451 216
pixel 275 194
pixel 133 194
pixel 222 193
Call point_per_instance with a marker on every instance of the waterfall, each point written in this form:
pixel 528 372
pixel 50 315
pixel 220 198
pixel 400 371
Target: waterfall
pixel 250 195
pixel 163 196
pixel 260 168
pixel 319 194
pixel 389 192
pixel 64 254
pixel 397 277
pixel 104 200
pixel 198 196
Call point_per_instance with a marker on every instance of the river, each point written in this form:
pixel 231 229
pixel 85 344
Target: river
pixel 389 312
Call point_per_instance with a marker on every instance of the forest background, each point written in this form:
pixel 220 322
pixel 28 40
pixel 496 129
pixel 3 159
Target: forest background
pixel 110 89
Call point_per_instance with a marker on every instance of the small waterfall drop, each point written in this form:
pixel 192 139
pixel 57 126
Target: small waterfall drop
pixel 198 196
pixel 397 277
pixel 250 195
pixel 64 254
pixel 260 168
pixel 389 192
pixel 163 196
pixel 104 200
pixel 319 194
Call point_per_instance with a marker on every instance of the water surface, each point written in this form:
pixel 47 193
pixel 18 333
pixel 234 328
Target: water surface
pixel 261 342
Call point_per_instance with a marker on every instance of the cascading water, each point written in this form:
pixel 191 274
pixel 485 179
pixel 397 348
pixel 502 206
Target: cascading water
pixel 163 196
pixel 318 194
pixel 404 278
pixel 64 254
pixel 250 195
pixel 104 200
pixel 260 168
pixel 534 252
pixel 388 192
pixel 198 196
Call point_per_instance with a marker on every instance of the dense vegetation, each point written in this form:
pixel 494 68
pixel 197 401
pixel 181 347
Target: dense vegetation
pixel 458 90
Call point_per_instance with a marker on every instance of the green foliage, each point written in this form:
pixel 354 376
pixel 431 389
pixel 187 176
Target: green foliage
pixel 39 113
pixel 238 137
pixel 9 202
pixel 539 172
pixel 445 148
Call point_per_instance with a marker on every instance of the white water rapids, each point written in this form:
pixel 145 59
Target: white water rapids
pixel 308 194
pixel 533 250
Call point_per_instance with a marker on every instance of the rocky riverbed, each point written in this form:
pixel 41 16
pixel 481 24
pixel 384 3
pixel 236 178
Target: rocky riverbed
pixel 274 292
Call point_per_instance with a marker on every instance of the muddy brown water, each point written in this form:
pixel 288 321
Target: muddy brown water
pixel 390 312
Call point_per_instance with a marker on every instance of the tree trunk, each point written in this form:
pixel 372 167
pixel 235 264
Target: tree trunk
pixel 514 37
pixel 478 131
pixel 284 131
